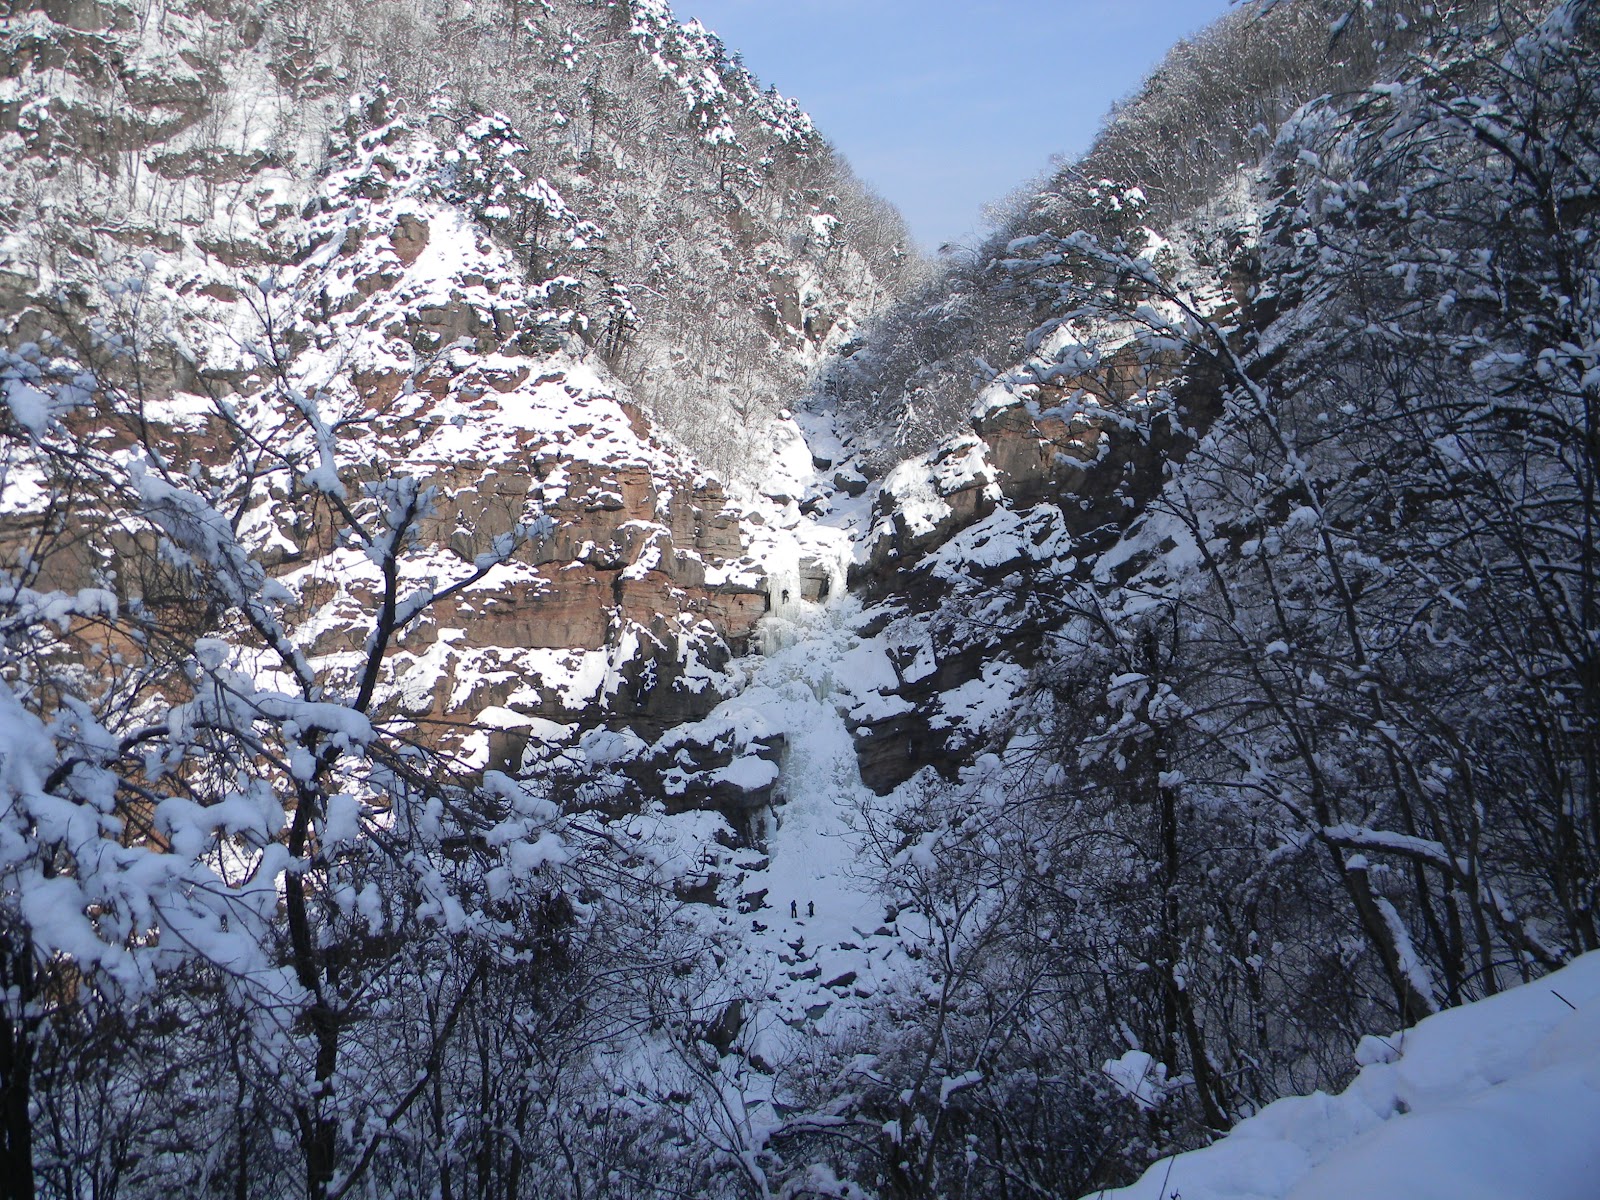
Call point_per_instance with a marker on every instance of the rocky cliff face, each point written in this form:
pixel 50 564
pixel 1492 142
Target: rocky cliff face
pixel 969 547
pixel 197 203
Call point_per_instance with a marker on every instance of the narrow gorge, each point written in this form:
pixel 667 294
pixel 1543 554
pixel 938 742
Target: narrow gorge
pixel 547 651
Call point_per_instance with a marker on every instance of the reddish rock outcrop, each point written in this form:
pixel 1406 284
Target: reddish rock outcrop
pixel 1072 460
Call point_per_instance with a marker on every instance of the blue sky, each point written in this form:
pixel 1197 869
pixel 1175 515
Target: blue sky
pixel 945 106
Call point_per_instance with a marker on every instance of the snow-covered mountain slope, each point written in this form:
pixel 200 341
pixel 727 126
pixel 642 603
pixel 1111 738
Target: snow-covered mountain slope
pixel 625 160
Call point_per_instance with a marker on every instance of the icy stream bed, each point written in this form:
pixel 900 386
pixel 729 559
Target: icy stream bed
pixel 814 940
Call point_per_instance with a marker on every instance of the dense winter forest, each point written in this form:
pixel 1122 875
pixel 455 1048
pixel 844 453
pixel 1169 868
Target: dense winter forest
pixel 546 652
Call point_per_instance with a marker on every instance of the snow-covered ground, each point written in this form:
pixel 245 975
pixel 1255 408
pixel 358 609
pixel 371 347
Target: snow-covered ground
pixel 1492 1101
pixel 805 935
pixel 835 946
pixel 809 670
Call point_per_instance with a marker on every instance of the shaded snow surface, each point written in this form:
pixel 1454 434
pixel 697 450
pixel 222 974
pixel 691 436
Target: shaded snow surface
pixel 1498 1100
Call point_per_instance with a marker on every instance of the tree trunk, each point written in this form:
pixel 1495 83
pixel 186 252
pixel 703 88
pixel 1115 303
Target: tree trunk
pixel 16 1076
pixel 317 1129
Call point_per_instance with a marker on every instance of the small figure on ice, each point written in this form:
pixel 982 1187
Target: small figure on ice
pixel 794 909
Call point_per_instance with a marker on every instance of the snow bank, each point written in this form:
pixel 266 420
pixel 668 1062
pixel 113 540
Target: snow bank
pixel 1495 1100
